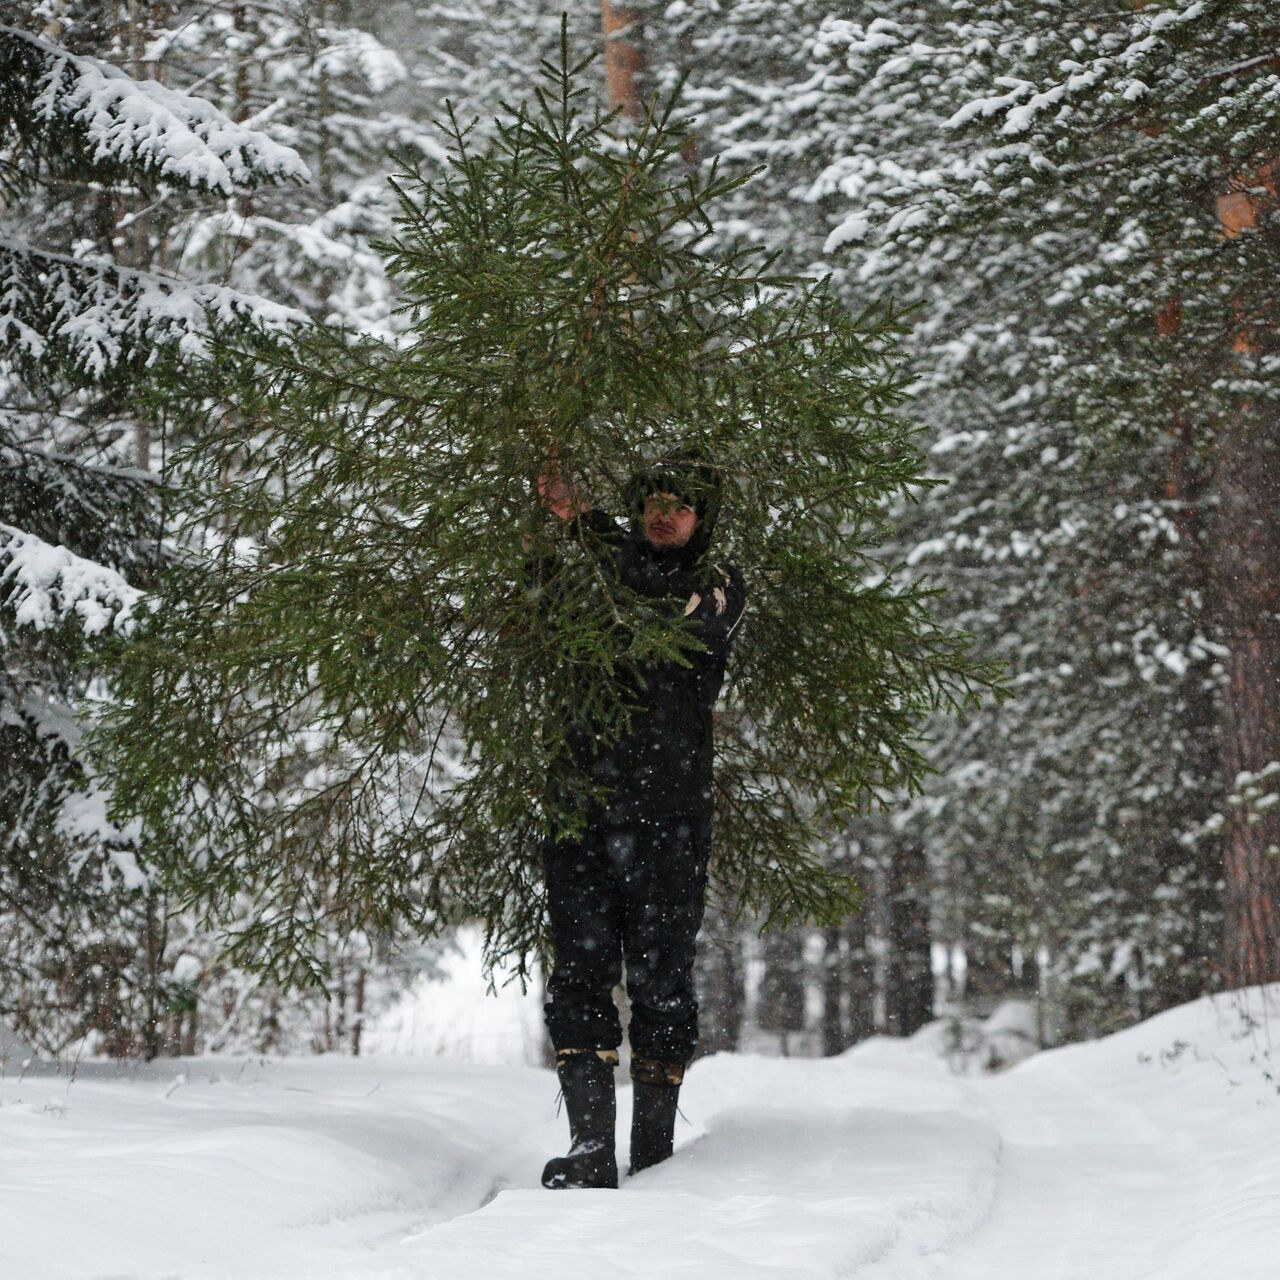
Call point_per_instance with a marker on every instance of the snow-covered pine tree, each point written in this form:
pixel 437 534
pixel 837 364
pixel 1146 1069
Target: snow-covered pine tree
pixel 1052 818
pixel 752 97
pixel 373 575
pixel 480 54
pixel 80 531
pixel 331 80
pixel 344 100
pixel 1155 130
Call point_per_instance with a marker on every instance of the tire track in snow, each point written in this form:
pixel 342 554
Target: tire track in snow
pixel 803 1170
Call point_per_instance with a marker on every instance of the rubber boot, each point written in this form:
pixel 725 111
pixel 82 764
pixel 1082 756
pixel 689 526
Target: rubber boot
pixel 586 1080
pixel 653 1114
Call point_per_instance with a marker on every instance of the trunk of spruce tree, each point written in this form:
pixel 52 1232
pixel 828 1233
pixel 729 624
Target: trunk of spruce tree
pixel 909 973
pixel 833 984
pixel 1248 604
pixel 781 1008
pixel 138 253
pixel 357 1026
pixel 848 987
pixel 1248 589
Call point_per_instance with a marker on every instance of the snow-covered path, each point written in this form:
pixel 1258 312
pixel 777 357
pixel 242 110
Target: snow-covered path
pixel 1155 1153
pixel 1106 1173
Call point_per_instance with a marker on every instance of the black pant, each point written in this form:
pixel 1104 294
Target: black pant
pixel 634 892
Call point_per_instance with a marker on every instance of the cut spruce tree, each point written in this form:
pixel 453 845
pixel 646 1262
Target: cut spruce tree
pixel 362 675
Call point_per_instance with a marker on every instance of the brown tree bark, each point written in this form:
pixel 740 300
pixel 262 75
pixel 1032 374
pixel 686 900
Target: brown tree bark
pixel 1246 598
pixel 623 57
pixel 1248 601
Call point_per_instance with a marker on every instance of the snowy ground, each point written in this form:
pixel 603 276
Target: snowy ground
pixel 1155 1153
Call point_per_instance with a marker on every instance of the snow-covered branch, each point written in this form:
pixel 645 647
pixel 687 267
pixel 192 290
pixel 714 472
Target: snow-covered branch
pixel 348 49
pixel 96 314
pixel 45 585
pixel 114 121
pixel 1117 71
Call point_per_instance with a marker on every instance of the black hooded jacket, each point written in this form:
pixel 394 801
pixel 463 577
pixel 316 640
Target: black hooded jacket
pixel 663 766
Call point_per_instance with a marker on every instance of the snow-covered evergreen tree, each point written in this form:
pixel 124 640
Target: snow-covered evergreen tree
pixel 1070 227
pixel 81 532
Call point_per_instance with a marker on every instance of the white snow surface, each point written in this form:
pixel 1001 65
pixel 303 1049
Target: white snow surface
pixel 1153 1153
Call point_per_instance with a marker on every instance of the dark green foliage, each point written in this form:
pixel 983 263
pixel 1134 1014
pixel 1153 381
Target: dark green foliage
pixel 356 682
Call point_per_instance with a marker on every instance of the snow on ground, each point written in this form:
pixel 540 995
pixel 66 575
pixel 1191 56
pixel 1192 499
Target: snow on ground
pixel 1153 1153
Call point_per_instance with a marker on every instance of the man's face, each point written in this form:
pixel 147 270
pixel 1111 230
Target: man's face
pixel 669 521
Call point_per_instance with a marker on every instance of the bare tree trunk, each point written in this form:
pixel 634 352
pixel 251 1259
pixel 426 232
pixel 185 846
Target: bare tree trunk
pixel 988 974
pixel 191 1031
pixel 909 976
pixel 833 993
pixel 340 1022
pixel 153 947
pixel 357 1024
pixel 781 1007
pixel 623 57
pixel 721 983
pixel 1248 591
pixel 860 980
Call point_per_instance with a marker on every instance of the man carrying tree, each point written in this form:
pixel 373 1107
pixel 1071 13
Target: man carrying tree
pixel 557 290
pixel 632 886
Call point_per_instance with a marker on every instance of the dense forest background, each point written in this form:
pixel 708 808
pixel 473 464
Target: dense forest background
pixel 1078 202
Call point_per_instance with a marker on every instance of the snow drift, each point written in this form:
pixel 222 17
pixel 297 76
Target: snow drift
pixel 1150 1154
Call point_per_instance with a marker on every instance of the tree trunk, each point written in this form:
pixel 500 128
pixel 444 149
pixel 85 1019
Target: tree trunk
pixel 721 984
pixel 833 992
pixel 988 973
pixel 1248 599
pixel 909 975
pixel 623 58
pixel 357 1024
pixel 860 1020
pixel 153 948
pixel 781 1008
pixel 190 1035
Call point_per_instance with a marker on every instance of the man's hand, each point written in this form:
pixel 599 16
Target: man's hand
pixel 560 497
